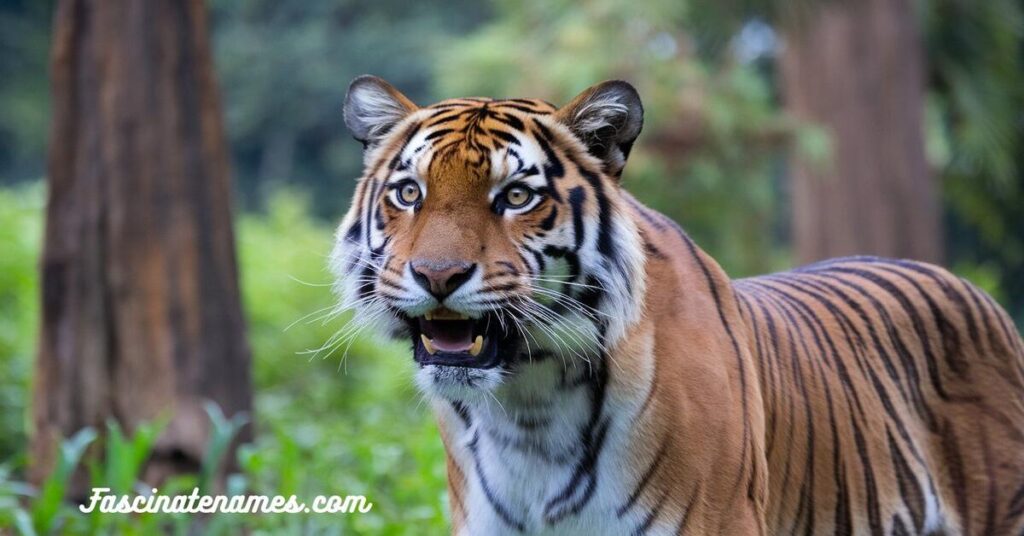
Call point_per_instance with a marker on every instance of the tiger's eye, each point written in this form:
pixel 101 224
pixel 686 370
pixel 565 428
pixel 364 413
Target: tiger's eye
pixel 409 193
pixel 517 196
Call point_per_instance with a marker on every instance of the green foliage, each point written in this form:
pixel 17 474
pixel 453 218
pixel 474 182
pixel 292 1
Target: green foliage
pixel 125 456
pixel 978 71
pixel 48 511
pixel 20 233
pixel 977 121
pixel 224 431
pixel 284 278
pixel 119 471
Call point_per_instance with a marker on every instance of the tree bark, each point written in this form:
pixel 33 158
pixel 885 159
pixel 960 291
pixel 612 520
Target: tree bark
pixel 141 314
pixel 856 68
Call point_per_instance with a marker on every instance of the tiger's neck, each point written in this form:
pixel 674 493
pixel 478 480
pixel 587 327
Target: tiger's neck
pixel 526 458
pixel 529 458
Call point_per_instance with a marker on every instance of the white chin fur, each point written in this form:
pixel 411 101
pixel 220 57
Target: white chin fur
pixel 458 383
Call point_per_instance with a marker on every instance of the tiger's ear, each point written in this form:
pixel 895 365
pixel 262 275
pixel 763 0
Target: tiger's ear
pixel 373 107
pixel 607 118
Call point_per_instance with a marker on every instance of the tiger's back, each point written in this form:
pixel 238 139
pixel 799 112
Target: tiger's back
pixel 893 394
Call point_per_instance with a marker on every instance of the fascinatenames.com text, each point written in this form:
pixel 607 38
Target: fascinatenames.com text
pixel 196 503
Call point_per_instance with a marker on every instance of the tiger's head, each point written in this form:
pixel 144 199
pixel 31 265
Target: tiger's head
pixel 491 233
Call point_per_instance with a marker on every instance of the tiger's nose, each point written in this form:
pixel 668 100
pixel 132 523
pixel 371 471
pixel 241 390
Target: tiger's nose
pixel 441 278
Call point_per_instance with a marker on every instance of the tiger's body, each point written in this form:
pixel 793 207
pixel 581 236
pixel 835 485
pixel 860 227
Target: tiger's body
pixel 899 388
pixel 594 372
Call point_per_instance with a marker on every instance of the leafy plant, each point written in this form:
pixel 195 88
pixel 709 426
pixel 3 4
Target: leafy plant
pixel 47 509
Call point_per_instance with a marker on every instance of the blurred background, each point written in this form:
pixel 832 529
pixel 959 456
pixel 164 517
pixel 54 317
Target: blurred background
pixel 777 133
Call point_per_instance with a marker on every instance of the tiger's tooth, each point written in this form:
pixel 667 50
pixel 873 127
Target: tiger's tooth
pixel 428 344
pixel 478 345
pixel 429 315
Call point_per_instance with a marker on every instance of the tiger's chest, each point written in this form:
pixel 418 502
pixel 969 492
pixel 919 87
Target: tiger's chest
pixel 547 459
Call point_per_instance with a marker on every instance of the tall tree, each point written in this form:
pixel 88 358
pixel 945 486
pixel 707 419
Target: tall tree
pixel 856 68
pixel 141 314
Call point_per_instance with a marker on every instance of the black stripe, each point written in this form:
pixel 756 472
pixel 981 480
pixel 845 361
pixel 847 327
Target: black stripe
pixel 898 529
pixel 548 222
pixel 401 148
pixel 592 443
pixel 644 479
pixel 910 488
pixel 954 464
pixel 438 133
pixel 509 120
pixel 685 520
pixel 736 350
pixel 648 520
pixel 371 202
pixel 499 508
pixel 354 230
pixel 505 136
pixel 576 196
pixel 446 117
pixel 462 412
pixel 553 168
pixel 605 244
pixel 1017 502
pixel 526 109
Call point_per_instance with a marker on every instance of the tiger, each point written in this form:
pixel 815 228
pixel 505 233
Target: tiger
pixel 593 371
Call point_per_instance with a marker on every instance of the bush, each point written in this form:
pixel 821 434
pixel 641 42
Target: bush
pixel 21 219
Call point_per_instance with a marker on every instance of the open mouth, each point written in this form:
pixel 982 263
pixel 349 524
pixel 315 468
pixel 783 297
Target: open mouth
pixel 444 337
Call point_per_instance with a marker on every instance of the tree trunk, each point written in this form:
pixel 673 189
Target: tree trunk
pixel 141 315
pixel 855 68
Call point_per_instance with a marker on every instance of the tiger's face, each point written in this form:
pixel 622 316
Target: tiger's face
pixel 491 233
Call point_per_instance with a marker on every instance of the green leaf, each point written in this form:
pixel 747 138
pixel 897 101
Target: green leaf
pixel 46 510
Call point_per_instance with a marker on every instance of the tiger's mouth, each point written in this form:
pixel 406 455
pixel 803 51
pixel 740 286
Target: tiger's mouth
pixel 447 338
